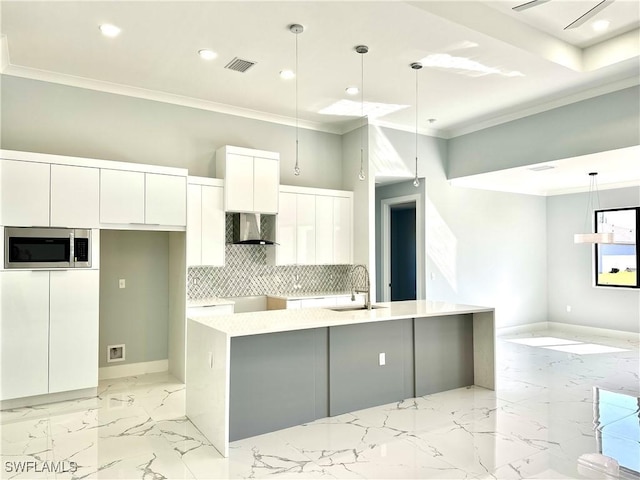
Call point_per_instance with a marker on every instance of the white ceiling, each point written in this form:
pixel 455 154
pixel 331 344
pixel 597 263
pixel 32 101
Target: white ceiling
pixel 535 65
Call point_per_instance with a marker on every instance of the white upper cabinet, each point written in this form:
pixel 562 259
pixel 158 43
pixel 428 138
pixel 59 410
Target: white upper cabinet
pixel 24 193
pixel 305 229
pixel 324 230
pixel 40 190
pixel 140 198
pixel 75 196
pixel 205 223
pixel 213 226
pixel 266 183
pixel 342 230
pixel 286 230
pixel 251 179
pixel 121 196
pixel 238 183
pixel 314 227
pixel 165 199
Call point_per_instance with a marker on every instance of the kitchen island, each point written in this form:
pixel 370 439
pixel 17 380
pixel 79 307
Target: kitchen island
pixel 252 373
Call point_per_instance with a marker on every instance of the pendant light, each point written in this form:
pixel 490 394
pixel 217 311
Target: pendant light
pixel 592 237
pixel 416 66
pixel 362 49
pixel 296 29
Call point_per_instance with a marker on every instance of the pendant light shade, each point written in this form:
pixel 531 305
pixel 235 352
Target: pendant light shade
pixel 362 49
pixel 591 206
pixel 416 66
pixel 296 29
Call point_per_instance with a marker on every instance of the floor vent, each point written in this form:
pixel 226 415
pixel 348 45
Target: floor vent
pixel 239 65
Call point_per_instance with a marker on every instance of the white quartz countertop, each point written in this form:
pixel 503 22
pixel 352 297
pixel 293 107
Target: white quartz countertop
pixel 209 302
pixel 271 321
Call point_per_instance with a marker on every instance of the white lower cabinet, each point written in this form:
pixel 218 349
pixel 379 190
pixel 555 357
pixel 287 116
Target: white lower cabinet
pixel 73 330
pixel 24 333
pixel 49 331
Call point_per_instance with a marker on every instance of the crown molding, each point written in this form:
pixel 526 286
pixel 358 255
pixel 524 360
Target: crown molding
pixel 158 96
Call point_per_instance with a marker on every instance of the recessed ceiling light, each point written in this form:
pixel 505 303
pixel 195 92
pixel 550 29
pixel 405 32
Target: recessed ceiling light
pixel 109 30
pixel 287 74
pixel 352 90
pixel 600 25
pixel 207 54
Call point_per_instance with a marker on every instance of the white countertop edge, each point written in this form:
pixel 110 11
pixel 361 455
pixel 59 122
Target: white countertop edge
pixel 274 321
pixel 209 302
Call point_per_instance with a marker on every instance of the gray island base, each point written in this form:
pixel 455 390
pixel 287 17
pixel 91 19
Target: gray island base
pixel 253 373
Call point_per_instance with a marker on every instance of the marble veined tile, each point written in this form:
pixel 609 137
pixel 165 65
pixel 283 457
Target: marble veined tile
pixel 543 417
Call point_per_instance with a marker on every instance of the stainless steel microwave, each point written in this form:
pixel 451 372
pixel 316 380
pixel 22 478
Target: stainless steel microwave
pixel 36 247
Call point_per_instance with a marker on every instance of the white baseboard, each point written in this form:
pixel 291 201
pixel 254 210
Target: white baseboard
pixel 132 369
pixel 515 330
pixel 48 398
pixel 569 328
pixel 603 332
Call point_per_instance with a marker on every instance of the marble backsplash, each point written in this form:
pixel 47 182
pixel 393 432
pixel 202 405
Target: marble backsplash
pixel 246 273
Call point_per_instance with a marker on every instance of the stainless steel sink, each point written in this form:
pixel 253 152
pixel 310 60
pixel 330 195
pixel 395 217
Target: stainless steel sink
pixel 351 308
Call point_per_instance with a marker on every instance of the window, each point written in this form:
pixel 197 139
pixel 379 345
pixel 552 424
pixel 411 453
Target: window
pixel 617 263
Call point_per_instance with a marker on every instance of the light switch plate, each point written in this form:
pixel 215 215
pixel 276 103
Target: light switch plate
pixel 121 283
pixel 382 359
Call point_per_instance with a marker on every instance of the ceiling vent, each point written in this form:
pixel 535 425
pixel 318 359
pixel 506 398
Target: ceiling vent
pixel 239 65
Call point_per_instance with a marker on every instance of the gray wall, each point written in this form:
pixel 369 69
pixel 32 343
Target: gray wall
pixel 137 315
pixel 51 118
pixel 570 267
pixel 483 248
pixel 598 124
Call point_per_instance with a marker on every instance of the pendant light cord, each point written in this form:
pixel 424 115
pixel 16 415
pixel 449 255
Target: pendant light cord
pixel 296 169
pixel 362 49
pixel 416 66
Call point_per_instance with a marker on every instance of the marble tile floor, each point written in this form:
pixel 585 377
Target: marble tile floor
pixel 552 416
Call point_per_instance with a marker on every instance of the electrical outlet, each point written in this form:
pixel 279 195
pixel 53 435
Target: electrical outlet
pixel 568 308
pixel 121 283
pixel 382 359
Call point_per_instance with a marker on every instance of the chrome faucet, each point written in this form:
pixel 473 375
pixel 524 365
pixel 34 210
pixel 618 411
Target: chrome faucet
pixel 355 288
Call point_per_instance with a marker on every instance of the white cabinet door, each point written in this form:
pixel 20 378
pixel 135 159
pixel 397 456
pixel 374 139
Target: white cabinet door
pixel 165 200
pixel 238 183
pixel 324 230
pixel 306 229
pixel 24 333
pixel 75 196
pixel 286 230
pixel 266 183
pixel 213 226
pixel 24 193
pixel 194 225
pixel 73 330
pixel 121 196
pixel 342 231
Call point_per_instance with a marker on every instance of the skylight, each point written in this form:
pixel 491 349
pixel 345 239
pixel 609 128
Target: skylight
pixel 350 108
pixel 465 65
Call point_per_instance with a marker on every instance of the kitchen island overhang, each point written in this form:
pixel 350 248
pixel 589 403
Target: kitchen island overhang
pixel 252 373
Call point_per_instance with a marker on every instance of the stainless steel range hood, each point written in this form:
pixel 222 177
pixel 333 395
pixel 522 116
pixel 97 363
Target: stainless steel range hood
pixel 254 229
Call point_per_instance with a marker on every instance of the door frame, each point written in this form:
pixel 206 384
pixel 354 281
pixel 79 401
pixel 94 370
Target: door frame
pixel 386 205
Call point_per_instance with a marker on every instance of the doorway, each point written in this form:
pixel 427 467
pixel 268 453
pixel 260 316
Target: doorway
pixel 402 254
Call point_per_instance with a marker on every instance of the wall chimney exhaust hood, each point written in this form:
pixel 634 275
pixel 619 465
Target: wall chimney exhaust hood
pixel 253 229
